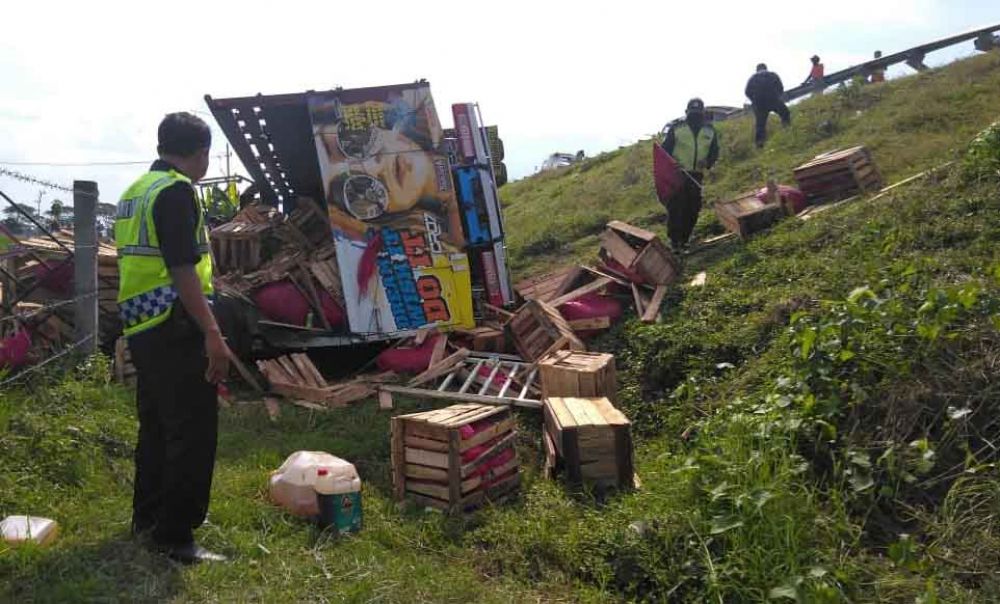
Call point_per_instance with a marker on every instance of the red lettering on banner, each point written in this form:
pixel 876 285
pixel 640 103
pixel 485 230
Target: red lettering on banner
pixel 415 248
pixel 435 308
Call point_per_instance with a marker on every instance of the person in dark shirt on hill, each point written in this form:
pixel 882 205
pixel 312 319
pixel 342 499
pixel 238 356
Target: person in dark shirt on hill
pixel 764 89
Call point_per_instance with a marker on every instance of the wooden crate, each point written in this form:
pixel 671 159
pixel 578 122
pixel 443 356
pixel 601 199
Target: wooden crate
pixel 430 456
pixel 641 252
pixel 590 440
pixel 236 246
pixel 838 175
pixel 482 339
pixel 746 214
pixel 579 374
pixel 538 329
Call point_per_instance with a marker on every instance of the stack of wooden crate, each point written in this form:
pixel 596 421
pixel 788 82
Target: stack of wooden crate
pixel 538 329
pixel 838 175
pixel 236 246
pixel 589 440
pixel 456 458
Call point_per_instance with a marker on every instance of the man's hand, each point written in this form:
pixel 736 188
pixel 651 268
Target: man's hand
pixel 218 357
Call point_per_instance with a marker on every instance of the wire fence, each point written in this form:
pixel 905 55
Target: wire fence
pixel 85 297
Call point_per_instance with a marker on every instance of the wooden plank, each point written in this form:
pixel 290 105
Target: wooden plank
pixel 308 377
pixel 490 433
pixel 291 370
pixel 305 362
pixel 634 231
pixel 245 373
pixel 597 284
pixel 637 300
pixel 384 399
pixel 425 473
pixel 426 458
pixel 455 475
pixel 618 248
pixel 440 346
pixel 440 369
pixel 503 443
pixel 454 396
pixel 592 324
pixel 430 489
pixel 652 311
pixel 426 444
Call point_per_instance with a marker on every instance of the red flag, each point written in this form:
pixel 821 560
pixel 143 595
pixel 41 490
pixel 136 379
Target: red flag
pixel 666 174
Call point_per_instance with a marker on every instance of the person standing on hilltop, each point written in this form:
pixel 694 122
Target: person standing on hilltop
pixel 694 145
pixel 764 89
pixel 165 272
pixel 816 73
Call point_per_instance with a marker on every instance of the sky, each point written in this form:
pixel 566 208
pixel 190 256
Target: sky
pixel 88 82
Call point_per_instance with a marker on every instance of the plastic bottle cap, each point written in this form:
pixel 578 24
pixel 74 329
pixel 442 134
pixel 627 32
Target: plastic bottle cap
pixel 322 472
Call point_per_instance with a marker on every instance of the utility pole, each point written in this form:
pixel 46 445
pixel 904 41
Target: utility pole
pixel 228 155
pixel 38 203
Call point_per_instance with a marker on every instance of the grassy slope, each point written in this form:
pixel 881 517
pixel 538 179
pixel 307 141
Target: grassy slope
pixel 769 487
pixel 909 125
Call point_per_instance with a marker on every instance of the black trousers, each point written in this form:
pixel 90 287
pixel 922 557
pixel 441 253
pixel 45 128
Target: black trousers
pixel 178 427
pixel 682 211
pixel 762 110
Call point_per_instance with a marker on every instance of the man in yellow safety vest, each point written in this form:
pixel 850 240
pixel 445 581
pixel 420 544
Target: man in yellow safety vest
pixel 179 352
pixel 694 145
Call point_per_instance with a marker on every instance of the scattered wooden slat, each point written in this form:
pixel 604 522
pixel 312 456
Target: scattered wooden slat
pixel 637 300
pixel 591 324
pixel 596 285
pixel 652 311
pixel 385 399
pixel 439 369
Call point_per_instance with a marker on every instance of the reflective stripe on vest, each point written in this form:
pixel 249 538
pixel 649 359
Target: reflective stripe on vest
pixel 146 294
pixel 689 150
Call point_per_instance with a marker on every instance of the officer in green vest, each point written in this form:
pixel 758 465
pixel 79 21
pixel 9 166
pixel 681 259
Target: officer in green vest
pixel 179 352
pixel 694 145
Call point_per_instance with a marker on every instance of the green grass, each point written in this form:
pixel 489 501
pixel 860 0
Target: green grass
pixel 816 423
pixel 909 125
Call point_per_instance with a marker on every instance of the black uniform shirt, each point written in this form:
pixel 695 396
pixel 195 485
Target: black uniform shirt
pixel 175 216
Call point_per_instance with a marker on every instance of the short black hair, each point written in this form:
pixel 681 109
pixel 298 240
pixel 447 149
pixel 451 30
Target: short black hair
pixel 183 134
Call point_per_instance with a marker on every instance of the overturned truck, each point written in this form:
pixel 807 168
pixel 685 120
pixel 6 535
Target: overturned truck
pixel 370 221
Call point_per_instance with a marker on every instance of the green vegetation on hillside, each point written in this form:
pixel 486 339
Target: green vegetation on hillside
pixel 909 125
pixel 816 423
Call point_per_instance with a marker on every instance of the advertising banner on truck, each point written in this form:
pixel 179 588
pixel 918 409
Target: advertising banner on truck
pixel 393 211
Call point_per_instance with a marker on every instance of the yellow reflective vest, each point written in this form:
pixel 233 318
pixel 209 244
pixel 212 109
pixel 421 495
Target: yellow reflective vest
pixel 691 150
pixel 146 292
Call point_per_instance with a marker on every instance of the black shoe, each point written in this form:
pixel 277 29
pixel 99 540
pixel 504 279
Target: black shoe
pixel 191 553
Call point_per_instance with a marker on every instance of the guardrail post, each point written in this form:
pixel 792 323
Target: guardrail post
pixel 85 262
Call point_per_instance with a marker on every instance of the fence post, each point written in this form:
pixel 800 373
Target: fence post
pixel 85 262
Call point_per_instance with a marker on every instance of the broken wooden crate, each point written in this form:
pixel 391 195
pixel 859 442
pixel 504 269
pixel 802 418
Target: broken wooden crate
pixel 455 458
pixel 747 214
pixel 294 376
pixel 236 246
pixel 590 440
pixel 639 252
pixel 838 175
pixel 568 373
pixel 537 329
